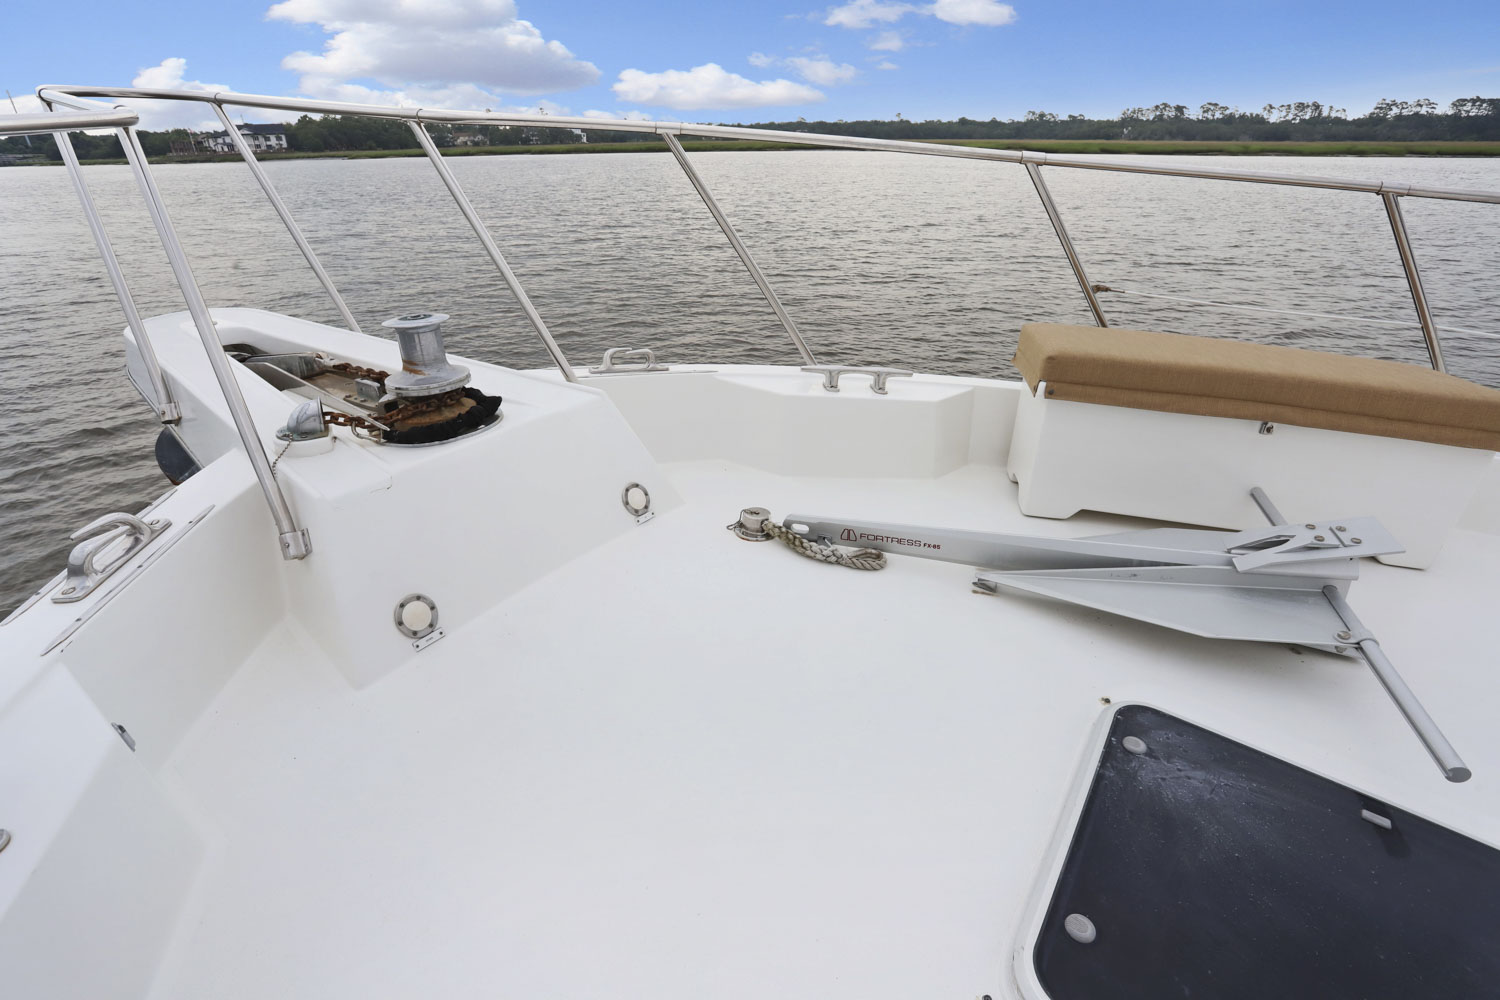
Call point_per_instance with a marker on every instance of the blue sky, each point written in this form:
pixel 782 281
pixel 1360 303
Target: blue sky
pixel 762 61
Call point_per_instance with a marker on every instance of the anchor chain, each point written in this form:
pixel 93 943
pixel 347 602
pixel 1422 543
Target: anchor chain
pixel 356 371
pixel 350 420
pixel 405 412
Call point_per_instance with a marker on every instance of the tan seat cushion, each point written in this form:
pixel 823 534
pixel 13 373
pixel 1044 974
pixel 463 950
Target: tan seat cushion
pixel 1231 378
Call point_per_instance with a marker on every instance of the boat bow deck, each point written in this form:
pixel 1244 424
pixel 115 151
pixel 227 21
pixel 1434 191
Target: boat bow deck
pixel 642 759
pixel 684 764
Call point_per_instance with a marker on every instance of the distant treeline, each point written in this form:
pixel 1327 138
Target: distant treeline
pixel 1466 119
pixel 1469 118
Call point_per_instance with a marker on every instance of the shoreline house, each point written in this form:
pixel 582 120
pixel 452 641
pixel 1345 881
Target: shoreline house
pixel 261 138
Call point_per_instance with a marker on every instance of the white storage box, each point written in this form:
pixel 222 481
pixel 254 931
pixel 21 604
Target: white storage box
pixel 1196 468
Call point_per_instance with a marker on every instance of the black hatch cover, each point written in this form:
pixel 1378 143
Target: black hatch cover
pixel 1202 868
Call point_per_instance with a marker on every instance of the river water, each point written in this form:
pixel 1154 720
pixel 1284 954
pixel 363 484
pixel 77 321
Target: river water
pixel 921 262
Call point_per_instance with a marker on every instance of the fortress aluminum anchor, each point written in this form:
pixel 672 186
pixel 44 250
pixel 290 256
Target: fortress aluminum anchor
pixel 1284 583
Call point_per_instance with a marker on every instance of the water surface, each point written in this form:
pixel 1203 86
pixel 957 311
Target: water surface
pixel 921 262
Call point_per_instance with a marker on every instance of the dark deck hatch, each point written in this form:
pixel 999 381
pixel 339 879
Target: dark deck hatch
pixel 1206 869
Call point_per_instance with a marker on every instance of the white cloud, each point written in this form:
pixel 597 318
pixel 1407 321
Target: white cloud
pixel 887 64
pixel 986 12
pixel 887 41
pixel 430 46
pixel 416 13
pixel 868 13
pixel 169 74
pixel 708 86
pixel 863 13
pixel 25 104
pixel 459 96
pixel 818 69
pixel 822 70
pixel 630 116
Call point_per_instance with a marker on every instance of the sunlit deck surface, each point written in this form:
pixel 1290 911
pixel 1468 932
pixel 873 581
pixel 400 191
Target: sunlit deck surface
pixel 650 759
pixel 685 765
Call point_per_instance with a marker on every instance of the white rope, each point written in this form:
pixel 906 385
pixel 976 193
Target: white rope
pixel 867 559
pixel 1291 312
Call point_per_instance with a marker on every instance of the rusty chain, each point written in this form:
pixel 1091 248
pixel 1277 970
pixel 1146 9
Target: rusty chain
pixel 350 420
pixel 406 411
pixel 355 371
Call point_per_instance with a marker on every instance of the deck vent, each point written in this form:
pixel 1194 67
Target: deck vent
pixel 425 370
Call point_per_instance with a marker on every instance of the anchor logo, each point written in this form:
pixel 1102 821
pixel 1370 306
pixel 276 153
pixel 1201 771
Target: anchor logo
pixel 847 535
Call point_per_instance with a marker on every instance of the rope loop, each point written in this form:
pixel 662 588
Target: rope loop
pixel 865 559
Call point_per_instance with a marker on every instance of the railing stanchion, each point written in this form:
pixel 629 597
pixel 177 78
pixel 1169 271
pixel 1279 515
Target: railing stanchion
pixel 286 216
pixel 739 247
pixel 490 248
pixel 1045 194
pixel 295 543
pixel 167 410
pixel 1413 279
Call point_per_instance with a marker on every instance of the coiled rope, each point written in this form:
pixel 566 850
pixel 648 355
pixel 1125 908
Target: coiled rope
pixel 866 559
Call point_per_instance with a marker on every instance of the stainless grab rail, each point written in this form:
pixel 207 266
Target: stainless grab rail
pixel 285 215
pixel 1033 162
pixel 48 123
pixel 740 132
pixel 1035 173
pixel 511 281
pixel 76 97
pixel 90 114
pixel 295 542
pixel 680 155
pixel 167 410
pixel 445 117
pixel 1413 279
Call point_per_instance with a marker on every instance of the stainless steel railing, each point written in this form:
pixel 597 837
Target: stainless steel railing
pixel 294 542
pixel 488 241
pixel 166 407
pixel 285 215
pixel 118 117
pixel 1033 163
pixel 742 251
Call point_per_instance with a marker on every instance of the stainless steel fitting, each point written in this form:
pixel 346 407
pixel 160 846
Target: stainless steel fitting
pixel 425 370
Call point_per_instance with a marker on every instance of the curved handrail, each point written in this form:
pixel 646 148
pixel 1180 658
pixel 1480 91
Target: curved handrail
pixel 1389 192
pixel 59 94
pixel 89 113
pixel 119 117
pixel 295 541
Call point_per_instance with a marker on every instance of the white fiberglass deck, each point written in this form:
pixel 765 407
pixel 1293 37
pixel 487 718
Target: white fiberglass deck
pixel 655 761
pixel 687 765
pixel 650 759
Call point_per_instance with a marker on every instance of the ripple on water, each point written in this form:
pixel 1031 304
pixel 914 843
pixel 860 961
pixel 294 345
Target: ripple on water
pixel 928 263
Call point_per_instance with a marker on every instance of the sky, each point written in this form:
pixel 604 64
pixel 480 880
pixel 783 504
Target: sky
pixel 754 60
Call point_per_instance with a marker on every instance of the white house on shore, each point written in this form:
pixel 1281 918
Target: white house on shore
pixel 261 138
